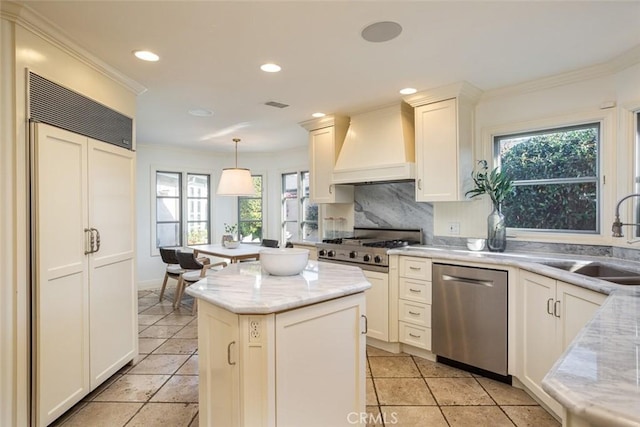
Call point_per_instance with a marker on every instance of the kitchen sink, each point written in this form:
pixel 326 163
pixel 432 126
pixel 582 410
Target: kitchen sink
pixel 598 271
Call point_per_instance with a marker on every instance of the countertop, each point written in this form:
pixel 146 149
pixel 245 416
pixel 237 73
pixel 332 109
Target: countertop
pixel 598 376
pixel 244 288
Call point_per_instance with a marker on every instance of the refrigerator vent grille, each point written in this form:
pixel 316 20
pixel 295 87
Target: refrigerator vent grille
pixel 58 106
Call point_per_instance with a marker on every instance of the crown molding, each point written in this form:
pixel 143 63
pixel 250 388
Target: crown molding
pixel 324 122
pixel 625 60
pixel 32 21
pixel 462 90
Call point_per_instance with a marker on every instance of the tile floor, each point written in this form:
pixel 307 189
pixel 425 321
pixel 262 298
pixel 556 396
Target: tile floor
pixel 161 388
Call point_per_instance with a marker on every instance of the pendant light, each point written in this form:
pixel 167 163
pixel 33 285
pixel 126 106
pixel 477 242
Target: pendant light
pixel 236 181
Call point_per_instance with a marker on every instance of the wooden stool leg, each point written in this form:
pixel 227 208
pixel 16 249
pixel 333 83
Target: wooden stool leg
pixel 164 285
pixel 178 296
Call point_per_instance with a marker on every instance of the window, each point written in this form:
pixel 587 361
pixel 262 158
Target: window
pixel 556 178
pixel 250 213
pixel 172 207
pixel 299 215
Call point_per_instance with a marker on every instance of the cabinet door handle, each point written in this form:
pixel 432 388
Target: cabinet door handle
pixel 556 310
pixel 415 291
pixel 229 353
pixel 413 313
pixel 366 324
pixel 95 240
pixel 414 336
pixel 88 241
pixel 549 301
pixel 419 183
pixel 330 189
pixel 415 268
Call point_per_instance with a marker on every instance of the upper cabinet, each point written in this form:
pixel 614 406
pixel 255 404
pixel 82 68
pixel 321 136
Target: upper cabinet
pixel 444 141
pixel 326 136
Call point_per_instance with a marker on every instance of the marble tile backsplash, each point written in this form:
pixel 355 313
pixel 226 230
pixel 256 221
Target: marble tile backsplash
pixel 392 205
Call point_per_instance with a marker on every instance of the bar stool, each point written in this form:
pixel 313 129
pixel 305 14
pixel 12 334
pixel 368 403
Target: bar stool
pixel 173 270
pixel 194 270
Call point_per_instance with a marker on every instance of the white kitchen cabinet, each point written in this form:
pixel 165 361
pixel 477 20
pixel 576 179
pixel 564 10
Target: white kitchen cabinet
pixel 414 302
pixel 326 136
pixel 377 305
pixel 85 311
pixel 444 141
pixel 313 252
pixel 551 314
pixel 300 367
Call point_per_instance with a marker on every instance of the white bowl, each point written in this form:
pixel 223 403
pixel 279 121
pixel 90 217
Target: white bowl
pixel 475 244
pixel 231 244
pixel 284 261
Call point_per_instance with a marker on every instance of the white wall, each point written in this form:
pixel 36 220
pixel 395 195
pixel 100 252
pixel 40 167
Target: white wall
pixel 224 209
pixel 524 104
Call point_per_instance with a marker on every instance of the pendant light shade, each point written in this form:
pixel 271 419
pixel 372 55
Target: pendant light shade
pixel 236 181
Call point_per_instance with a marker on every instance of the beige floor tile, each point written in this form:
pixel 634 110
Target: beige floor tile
pixel 393 367
pixel 142 328
pixel 530 416
pixel 174 319
pixel 103 414
pixel 194 322
pixel 429 368
pixel 413 416
pixel 196 421
pixel 147 345
pixel 458 391
pixel 71 412
pixel 373 417
pixel 144 293
pixel 190 367
pixel 159 364
pixel 179 388
pixel 178 346
pixel 504 394
pixel 368 370
pixel 403 391
pixel 187 332
pixel 165 414
pixel 158 309
pixel 371 398
pixel 132 388
pixel 149 319
pixel 102 387
pixel 376 352
pixel 159 331
pixel 478 416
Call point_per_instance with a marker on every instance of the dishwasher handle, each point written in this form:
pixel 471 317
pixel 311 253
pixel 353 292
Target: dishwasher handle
pixel 466 280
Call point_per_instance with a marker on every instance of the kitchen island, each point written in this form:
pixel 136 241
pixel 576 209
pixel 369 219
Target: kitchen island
pixel 282 351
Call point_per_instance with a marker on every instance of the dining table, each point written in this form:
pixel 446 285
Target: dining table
pixel 244 251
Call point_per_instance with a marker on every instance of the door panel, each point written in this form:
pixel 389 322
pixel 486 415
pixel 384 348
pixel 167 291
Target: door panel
pixel 61 347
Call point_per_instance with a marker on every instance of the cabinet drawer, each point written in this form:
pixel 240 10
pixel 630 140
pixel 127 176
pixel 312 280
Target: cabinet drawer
pixel 415 290
pixel 413 312
pixel 415 268
pixel 416 336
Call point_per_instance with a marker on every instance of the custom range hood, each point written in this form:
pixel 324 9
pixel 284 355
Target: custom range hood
pixel 379 146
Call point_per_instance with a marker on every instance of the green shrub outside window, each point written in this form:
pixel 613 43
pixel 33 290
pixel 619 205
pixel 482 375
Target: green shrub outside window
pixel 556 178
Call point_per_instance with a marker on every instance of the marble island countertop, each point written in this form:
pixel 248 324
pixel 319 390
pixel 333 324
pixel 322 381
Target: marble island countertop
pixel 597 379
pixel 244 288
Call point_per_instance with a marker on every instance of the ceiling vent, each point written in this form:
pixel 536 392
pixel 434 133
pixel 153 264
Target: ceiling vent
pixel 276 104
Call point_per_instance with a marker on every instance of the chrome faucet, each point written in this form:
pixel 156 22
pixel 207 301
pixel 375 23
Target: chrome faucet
pixel 616 228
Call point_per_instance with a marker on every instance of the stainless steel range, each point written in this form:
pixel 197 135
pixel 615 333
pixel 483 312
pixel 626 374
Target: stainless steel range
pixel 368 247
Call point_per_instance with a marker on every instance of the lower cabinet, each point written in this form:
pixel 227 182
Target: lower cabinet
pixel 301 367
pixel 414 302
pixel 377 305
pixel 552 313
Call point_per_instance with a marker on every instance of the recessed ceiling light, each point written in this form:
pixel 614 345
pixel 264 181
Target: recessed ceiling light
pixel 201 112
pixel 318 115
pixel 381 31
pixel 146 55
pixel 408 91
pixel 270 68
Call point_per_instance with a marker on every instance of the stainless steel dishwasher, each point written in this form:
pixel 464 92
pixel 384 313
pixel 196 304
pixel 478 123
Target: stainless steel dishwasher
pixel 469 316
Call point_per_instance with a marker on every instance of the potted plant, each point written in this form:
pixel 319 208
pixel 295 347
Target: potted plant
pixel 498 186
pixel 231 231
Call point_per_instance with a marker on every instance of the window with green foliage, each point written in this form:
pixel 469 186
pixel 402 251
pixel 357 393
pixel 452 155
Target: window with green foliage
pixel 250 213
pixel 178 218
pixel 556 178
pixel 299 215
